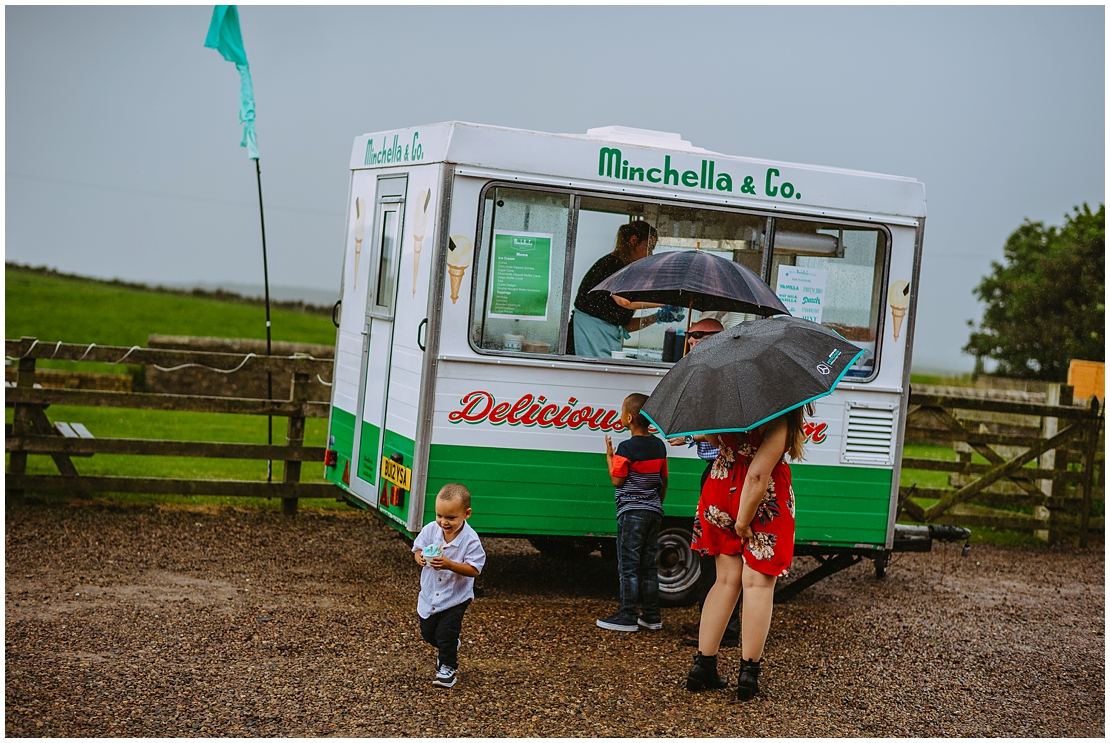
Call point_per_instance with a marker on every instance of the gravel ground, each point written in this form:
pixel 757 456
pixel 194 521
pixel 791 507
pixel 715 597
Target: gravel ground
pixel 193 622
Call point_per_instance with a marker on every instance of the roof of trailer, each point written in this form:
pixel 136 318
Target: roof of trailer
pixel 719 177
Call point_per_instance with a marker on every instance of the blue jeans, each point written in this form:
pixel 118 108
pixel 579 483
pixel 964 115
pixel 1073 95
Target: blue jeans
pixel 637 549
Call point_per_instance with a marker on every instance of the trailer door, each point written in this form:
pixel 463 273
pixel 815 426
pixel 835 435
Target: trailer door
pixel 378 334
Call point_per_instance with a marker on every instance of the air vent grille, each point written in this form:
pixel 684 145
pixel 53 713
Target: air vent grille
pixel 869 435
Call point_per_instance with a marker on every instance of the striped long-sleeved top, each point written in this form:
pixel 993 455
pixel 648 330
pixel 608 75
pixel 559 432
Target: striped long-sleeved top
pixel 642 460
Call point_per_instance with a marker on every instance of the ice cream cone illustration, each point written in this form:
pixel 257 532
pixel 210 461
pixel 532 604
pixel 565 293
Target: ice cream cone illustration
pixel 899 299
pixel 360 228
pixel 422 200
pixel 459 251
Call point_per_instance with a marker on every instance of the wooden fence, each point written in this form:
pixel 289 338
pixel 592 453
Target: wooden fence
pixel 31 431
pixel 1043 469
pixel 1042 474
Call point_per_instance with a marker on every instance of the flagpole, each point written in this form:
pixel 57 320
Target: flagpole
pixel 266 287
pixel 225 37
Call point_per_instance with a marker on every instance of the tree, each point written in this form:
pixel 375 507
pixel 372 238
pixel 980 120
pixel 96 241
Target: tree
pixel 1045 305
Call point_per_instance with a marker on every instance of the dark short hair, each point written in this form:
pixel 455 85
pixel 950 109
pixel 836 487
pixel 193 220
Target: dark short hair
pixel 453 491
pixel 633 404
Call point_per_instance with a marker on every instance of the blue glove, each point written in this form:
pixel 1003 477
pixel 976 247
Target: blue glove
pixel 669 313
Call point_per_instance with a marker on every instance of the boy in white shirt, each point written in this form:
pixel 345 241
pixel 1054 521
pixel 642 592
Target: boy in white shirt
pixel 451 555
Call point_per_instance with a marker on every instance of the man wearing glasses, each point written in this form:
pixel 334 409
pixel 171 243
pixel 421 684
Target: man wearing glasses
pixel 698 332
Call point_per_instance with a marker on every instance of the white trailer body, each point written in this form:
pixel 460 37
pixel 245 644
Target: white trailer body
pixel 465 245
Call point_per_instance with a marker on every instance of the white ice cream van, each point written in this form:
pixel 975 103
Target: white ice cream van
pixel 465 249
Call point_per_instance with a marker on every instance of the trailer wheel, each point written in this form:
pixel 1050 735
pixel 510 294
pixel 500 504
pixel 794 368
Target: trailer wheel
pixel 881 561
pixel 679 566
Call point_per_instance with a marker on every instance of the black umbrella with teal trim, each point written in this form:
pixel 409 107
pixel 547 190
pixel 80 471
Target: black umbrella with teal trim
pixel 747 375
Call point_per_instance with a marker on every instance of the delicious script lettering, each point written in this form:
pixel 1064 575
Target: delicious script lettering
pixel 479 406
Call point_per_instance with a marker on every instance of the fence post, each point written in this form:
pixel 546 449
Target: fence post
pixel 21 418
pixel 1049 427
pixel 294 436
pixel 1090 450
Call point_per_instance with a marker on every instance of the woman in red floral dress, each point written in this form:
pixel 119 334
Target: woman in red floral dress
pixel 745 518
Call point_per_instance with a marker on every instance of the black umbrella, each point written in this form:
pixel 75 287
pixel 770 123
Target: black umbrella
pixel 694 279
pixel 749 374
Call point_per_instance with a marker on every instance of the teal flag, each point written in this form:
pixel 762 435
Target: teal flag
pixel 224 37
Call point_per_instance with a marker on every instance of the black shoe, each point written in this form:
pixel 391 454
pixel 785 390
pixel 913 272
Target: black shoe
pixel 730 642
pixel 703 674
pixel 620 622
pixel 747 685
pixel 445 677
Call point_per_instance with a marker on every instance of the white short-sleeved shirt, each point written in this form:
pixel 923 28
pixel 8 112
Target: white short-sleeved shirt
pixel 442 589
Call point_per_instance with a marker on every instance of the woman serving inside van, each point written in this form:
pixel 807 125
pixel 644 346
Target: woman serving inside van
pixel 602 321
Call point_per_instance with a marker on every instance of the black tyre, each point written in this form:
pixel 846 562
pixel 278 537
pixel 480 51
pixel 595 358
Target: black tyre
pixel 679 566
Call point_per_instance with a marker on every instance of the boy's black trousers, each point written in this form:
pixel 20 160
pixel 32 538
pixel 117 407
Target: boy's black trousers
pixel 442 630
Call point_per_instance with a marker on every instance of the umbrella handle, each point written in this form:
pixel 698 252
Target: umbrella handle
pixel 689 317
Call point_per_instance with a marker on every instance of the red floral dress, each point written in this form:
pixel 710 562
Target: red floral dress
pixel 771 550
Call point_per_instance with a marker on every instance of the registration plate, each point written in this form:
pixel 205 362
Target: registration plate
pixel 398 474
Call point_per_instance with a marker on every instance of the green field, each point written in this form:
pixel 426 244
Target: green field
pixel 54 308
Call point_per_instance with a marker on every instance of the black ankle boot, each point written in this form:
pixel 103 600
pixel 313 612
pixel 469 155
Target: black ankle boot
pixel 703 674
pixel 747 686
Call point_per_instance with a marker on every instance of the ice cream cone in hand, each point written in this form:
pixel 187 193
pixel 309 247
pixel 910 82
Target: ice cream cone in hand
pixel 360 228
pixel 419 223
pixel 899 299
pixel 459 252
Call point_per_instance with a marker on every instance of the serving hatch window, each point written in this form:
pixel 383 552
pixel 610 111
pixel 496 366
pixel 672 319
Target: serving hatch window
pixel 833 274
pixel 604 226
pixel 542 252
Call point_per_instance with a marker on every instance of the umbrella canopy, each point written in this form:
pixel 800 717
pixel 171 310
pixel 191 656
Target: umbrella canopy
pixel 749 374
pixel 697 279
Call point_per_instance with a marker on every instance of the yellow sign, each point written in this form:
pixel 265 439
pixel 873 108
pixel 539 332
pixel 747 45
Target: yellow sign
pixel 398 474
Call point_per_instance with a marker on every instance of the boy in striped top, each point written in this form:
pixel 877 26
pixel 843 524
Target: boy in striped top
pixel 638 469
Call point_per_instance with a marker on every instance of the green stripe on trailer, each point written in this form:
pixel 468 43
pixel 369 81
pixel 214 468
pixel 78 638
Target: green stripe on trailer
pixel 342 428
pixel 524 491
pixel 841 506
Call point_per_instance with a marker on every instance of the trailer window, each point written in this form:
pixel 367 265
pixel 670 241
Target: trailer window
pixel 833 274
pixel 387 257
pixel 737 237
pixel 518 298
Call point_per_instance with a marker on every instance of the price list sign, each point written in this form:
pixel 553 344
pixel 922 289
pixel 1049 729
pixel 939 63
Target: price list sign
pixel 802 290
pixel 520 285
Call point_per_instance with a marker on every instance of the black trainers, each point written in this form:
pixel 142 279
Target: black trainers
pixel 620 622
pixel 656 625
pixel 445 677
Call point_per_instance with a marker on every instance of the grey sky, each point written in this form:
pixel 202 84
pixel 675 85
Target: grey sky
pixel 122 131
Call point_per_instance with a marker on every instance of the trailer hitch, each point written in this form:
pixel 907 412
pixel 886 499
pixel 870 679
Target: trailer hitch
pixel 907 538
pixel 919 538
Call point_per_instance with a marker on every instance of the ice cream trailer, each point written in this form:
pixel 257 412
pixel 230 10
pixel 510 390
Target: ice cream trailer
pixel 465 248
